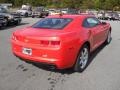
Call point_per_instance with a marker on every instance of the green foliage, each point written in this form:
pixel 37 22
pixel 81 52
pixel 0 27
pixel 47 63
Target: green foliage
pixel 84 4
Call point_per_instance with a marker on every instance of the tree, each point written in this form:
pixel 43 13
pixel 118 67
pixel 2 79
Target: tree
pixel 85 4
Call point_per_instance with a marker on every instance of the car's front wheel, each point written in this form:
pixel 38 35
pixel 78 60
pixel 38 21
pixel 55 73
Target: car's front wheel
pixel 26 14
pixel 82 59
pixel 108 40
pixel 17 22
pixel 6 22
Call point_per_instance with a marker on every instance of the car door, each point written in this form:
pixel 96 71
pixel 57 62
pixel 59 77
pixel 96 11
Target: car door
pixel 104 31
pixel 94 28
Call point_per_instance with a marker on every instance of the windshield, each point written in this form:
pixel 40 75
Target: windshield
pixel 24 8
pixel 109 13
pixel 52 23
pixel 3 10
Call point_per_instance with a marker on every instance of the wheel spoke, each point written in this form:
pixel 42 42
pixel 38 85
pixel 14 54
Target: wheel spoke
pixel 83 58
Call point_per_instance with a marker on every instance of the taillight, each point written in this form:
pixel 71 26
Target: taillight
pixel 55 42
pixel 44 42
pixel 49 43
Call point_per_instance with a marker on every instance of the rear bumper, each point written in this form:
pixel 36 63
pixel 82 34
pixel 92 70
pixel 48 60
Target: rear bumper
pixel 50 56
pixel 38 59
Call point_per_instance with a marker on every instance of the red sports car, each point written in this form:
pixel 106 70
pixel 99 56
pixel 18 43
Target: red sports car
pixel 63 41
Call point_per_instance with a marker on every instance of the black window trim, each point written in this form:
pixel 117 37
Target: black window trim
pixel 56 28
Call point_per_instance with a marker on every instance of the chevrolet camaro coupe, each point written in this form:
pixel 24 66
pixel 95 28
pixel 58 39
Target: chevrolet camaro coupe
pixel 62 41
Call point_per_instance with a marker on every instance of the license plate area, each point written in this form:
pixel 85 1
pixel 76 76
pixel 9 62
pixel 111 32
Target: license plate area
pixel 27 51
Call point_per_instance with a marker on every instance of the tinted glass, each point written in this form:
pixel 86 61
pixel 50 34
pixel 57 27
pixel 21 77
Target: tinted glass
pixel 39 9
pixel 52 23
pixel 91 22
pixel 3 10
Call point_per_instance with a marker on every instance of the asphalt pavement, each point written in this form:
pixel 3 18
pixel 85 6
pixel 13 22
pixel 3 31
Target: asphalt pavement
pixel 103 72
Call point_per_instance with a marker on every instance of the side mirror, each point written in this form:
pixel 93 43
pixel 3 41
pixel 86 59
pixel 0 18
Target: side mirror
pixel 103 23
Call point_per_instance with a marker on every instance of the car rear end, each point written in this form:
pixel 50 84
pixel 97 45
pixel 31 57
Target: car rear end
pixel 116 16
pixel 16 18
pixel 108 16
pixel 100 15
pixel 38 50
pixel 51 47
pixel 36 14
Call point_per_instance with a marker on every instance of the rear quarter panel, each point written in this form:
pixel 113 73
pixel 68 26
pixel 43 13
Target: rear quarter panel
pixel 73 40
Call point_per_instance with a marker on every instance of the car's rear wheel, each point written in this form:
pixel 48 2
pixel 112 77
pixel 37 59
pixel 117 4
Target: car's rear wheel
pixel 108 40
pixel 82 59
pixel 41 16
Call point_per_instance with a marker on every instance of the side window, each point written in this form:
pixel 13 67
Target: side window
pixel 86 24
pixel 4 10
pixel 97 20
pixel 91 22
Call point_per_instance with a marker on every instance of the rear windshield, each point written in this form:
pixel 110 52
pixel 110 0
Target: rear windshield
pixel 52 23
pixel 39 9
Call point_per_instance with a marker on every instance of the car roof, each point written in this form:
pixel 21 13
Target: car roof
pixel 73 16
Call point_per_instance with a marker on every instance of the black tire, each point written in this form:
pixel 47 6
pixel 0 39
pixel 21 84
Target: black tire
pixel 17 22
pixel 108 40
pixel 26 14
pixel 78 67
pixel 41 16
pixel 33 16
pixel 6 22
pixel 47 14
